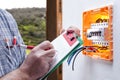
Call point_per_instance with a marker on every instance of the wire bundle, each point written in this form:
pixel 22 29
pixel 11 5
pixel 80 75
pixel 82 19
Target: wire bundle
pixel 74 55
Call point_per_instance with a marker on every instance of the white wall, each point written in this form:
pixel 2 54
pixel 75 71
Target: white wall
pixel 87 68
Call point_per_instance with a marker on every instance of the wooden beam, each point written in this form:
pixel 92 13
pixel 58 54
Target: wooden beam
pixel 53 27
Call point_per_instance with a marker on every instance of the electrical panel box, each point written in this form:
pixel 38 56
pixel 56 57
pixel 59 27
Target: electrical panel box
pixel 98 33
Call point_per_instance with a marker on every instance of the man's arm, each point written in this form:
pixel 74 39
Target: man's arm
pixel 35 65
pixel 16 75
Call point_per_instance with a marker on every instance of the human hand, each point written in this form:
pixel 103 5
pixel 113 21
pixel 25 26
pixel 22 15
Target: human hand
pixel 38 61
pixel 72 29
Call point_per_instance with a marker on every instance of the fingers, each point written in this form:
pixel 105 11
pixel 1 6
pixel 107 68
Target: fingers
pixel 74 29
pixel 48 56
pixel 50 53
pixel 45 49
pixel 49 60
pixel 46 45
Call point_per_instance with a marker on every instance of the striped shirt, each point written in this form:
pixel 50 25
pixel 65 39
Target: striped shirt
pixel 10 58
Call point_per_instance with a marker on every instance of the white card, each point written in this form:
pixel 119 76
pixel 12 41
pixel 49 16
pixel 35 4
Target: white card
pixel 63 45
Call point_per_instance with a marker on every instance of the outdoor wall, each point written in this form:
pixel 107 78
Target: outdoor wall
pixel 87 68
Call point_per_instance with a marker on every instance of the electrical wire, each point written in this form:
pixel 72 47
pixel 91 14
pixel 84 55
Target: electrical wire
pixel 75 57
pixel 76 53
pixel 72 55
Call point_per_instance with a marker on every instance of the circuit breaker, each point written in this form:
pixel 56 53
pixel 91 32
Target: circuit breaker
pixel 98 33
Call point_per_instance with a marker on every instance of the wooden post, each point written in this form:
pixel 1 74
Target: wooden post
pixel 54 25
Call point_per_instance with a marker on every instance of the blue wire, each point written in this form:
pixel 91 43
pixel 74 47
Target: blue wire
pixel 72 55
pixel 75 58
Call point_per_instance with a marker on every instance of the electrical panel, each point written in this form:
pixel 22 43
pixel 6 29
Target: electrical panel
pixel 98 33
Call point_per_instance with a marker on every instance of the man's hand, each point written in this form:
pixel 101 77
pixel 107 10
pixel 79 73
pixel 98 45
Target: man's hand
pixel 38 61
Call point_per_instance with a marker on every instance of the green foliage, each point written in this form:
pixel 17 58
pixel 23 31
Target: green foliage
pixel 31 23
